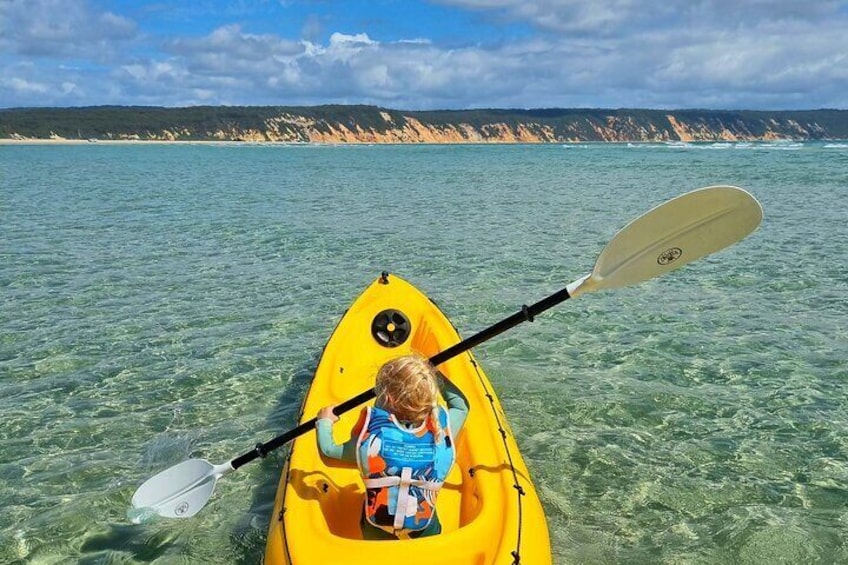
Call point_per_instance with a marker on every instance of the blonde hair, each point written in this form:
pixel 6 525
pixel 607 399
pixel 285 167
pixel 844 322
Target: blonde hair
pixel 408 387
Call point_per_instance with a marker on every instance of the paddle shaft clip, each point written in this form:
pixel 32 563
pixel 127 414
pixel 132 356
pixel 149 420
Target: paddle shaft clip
pixel 261 450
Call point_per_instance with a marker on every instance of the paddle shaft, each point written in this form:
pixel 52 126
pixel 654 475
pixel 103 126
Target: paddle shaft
pixel 526 314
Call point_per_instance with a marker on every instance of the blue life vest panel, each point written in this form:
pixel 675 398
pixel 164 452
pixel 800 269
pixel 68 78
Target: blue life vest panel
pixel 403 469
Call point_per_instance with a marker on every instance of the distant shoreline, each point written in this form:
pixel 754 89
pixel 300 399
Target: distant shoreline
pixel 60 142
pixel 363 125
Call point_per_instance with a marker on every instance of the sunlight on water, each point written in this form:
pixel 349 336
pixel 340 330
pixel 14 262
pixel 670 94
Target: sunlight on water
pixel 141 515
pixel 162 303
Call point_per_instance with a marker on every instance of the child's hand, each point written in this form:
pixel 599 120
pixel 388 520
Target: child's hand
pixel 327 413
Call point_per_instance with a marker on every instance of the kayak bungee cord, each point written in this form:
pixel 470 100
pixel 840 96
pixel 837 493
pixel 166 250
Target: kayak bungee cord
pixel 516 553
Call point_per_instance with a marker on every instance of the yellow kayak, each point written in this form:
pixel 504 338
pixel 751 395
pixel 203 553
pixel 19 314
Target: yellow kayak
pixel 489 510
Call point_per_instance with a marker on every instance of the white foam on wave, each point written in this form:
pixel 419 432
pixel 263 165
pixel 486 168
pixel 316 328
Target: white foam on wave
pixel 783 145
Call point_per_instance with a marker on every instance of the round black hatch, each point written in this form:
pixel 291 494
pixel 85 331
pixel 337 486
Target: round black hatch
pixel 390 328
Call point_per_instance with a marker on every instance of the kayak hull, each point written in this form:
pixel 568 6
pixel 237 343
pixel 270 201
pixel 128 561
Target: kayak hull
pixel 489 509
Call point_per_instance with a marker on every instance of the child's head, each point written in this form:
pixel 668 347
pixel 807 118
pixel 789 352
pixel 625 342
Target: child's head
pixel 408 387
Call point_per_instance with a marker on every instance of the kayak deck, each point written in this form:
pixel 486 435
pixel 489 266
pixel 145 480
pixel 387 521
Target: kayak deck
pixel 489 509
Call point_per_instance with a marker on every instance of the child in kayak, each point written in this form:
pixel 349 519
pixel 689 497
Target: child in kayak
pixel 403 446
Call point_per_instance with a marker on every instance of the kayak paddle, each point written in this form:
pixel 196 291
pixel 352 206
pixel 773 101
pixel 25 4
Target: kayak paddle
pixel 665 238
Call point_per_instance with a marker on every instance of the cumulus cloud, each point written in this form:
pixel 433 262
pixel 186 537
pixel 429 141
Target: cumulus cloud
pixel 24 87
pixel 616 17
pixel 569 53
pixel 59 28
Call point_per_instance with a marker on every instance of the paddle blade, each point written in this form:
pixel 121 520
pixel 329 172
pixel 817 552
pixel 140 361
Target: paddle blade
pixel 673 234
pixel 179 491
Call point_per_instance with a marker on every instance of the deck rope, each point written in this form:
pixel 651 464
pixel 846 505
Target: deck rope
pixel 516 554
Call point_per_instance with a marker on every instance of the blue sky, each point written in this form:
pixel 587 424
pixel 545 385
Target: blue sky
pixel 438 54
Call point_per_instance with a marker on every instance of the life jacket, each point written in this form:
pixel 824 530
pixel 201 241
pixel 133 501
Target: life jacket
pixel 403 469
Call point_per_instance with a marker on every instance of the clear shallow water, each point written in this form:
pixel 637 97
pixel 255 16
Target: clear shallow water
pixel 164 302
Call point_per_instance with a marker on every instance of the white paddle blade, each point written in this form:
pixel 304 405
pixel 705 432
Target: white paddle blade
pixel 673 234
pixel 179 491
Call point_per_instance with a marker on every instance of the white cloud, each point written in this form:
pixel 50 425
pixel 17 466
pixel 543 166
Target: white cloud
pixel 605 53
pixel 61 29
pixel 25 87
pixel 154 72
pixel 233 43
pixel 623 17
pixel 340 39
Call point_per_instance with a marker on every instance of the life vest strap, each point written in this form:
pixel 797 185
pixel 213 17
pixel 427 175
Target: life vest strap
pixel 402 497
pixel 382 482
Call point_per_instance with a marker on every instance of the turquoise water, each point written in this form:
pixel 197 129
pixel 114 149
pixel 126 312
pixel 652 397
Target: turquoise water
pixel 159 302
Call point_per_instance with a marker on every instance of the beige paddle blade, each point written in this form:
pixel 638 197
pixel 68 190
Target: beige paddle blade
pixel 671 235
